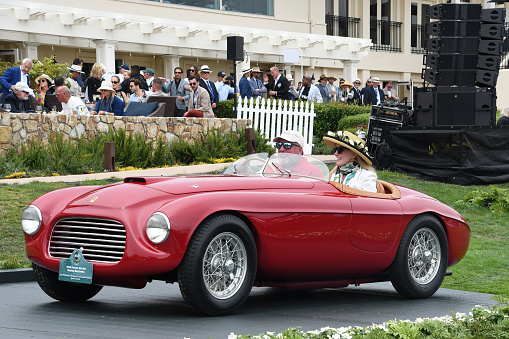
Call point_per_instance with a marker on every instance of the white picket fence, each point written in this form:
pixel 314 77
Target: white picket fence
pixel 271 117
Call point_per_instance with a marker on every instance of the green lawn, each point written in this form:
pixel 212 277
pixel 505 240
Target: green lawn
pixel 484 269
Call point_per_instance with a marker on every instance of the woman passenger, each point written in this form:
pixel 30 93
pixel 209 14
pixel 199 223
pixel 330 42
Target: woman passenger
pixel 353 164
pixel 109 104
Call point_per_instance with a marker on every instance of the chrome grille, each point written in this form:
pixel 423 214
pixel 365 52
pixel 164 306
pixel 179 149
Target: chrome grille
pixel 102 240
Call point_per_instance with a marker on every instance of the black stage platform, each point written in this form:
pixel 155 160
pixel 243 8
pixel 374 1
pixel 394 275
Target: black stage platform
pixel 457 155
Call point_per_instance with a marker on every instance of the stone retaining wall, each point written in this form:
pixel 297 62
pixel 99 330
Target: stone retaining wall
pixel 18 128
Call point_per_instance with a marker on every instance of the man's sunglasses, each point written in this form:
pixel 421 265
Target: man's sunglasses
pixel 338 149
pixel 193 83
pixel 286 145
pixel 178 72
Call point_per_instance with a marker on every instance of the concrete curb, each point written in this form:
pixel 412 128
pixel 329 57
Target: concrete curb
pixel 16 275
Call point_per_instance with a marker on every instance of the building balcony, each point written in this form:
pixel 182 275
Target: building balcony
pixel 418 39
pixel 385 35
pixel 342 26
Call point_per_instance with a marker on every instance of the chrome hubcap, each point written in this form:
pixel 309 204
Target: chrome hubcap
pixel 424 256
pixel 224 265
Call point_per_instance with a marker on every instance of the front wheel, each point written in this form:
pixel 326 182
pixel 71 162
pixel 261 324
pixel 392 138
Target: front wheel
pixel 421 261
pixel 219 267
pixel 63 290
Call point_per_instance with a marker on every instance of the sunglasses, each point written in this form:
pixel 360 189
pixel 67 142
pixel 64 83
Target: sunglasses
pixel 193 83
pixel 115 82
pixel 178 72
pixel 286 145
pixel 191 70
pixel 338 149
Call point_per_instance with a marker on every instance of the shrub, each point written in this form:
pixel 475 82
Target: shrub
pixel 328 115
pixel 353 121
pixel 75 156
pixel 225 109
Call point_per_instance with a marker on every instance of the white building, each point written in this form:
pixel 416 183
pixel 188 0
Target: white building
pixel 343 38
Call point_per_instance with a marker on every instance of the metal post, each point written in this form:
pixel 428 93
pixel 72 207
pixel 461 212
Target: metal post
pixel 250 139
pixel 109 156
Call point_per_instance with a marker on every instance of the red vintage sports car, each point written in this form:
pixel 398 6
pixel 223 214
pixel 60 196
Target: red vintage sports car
pixel 262 222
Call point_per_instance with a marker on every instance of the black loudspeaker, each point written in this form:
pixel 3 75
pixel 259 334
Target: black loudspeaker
pixel 450 106
pixel 486 78
pixel 235 48
pixel 379 133
pixel 454 106
pixel 451 61
pixel 491 47
pixel 450 77
pixel 454 12
pixel 453 28
pixel 468 45
pixel 492 31
pixel 489 62
pixel 493 15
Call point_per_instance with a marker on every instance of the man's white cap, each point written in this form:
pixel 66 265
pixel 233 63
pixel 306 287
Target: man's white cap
pixel 357 80
pixel 290 136
pixel 376 80
pixel 22 87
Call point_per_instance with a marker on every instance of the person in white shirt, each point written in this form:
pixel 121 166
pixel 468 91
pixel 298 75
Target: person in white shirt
pixel 70 103
pixel 308 91
pixel 73 80
pixel 157 89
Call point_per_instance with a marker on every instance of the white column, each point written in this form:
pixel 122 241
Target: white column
pixel 487 4
pixel 350 69
pixel 28 50
pixel 105 54
pixel 365 32
pixel 170 62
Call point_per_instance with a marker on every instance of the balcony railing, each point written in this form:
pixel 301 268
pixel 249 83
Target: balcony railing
pixel 385 35
pixel 418 39
pixel 342 26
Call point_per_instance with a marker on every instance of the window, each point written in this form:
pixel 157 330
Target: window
pixel 329 7
pixel 262 7
pixel 373 18
pixel 386 18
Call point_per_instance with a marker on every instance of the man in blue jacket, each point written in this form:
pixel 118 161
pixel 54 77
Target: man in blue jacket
pixel 244 85
pixel 14 75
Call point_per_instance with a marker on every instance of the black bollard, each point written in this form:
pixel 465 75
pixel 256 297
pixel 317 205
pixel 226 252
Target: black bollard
pixel 250 139
pixel 109 156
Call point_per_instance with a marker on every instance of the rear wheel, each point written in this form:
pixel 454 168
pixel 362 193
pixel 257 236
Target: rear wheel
pixel 421 261
pixel 63 290
pixel 219 267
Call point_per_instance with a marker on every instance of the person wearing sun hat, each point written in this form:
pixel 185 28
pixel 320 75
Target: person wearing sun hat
pixel 353 164
pixel 346 94
pixel 244 85
pixel 43 83
pixel 109 103
pixel 75 72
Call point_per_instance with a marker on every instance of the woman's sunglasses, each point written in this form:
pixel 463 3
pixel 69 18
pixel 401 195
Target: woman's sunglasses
pixel 338 149
pixel 115 82
pixel 286 145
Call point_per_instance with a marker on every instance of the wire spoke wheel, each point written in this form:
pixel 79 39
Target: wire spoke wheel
pixel 224 265
pixel 424 255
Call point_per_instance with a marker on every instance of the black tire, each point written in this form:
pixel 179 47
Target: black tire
pixel 63 290
pixel 217 282
pixel 421 261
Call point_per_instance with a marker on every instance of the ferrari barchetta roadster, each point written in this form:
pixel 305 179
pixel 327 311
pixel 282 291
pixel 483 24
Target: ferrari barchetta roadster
pixel 260 223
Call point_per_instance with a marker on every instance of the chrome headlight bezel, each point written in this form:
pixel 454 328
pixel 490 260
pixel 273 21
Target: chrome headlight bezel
pixel 31 219
pixel 158 228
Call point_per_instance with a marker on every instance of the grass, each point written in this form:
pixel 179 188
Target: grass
pixel 484 268
pixel 13 200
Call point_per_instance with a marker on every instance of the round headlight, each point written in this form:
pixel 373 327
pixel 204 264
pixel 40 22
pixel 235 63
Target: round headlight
pixel 158 227
pixel 31 219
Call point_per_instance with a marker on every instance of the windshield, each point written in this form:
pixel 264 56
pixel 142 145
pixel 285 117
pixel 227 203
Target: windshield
pixel 278 164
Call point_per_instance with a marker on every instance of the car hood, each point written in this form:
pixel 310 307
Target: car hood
pixel 213 183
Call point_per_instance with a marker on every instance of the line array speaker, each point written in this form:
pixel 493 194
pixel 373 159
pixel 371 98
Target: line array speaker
pixel 493 15
pixel 454 12
pixel 455 28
